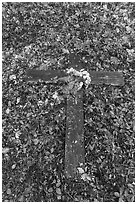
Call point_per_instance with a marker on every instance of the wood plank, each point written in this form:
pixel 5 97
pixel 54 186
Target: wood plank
pixel 113 78
pixel 74 144
pixel 100 77
pixel 45 75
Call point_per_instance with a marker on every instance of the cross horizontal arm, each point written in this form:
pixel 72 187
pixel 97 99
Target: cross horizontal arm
pixel 102 77
pixel 99 77
pixel 45 75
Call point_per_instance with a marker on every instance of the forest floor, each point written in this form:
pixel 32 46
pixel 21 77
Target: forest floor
pixel 33 141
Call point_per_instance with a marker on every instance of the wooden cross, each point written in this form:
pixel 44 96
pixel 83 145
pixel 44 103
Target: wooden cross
pixel 74 141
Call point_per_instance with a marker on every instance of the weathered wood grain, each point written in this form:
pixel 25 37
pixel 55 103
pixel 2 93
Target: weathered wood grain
pixel 74 142
pixel 45 75
pixel 113 78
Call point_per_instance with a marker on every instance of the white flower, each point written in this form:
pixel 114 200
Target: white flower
pixel 78 86
pixel 85 177
pixel 71 70
pixel 86 77
pixel 82 73
pixel 80 170
pixel 74 72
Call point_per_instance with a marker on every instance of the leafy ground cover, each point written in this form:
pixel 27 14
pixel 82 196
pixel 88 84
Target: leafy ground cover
pixel 43 34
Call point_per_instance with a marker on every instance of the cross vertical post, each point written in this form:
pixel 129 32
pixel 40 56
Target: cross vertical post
pixel 74 143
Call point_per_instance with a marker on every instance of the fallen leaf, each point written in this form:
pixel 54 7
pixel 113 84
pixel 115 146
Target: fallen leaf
pixel 8 191
pixel 36 141
pixel 8 111
pixel 12 77
pixel 5 150
pixel 58 190
pixel 13 166
pixel 50 190
pixel 59 197
pixel 116 194
pixel 21 198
